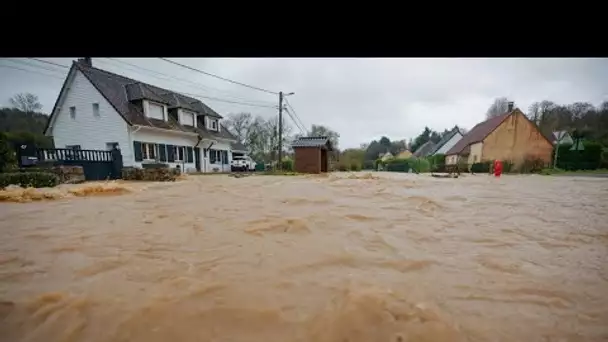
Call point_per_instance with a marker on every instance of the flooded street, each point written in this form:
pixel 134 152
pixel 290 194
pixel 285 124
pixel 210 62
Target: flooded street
pixel 324 259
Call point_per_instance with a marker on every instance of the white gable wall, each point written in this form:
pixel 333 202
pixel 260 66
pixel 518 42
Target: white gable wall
pixel 87 130
pixel 448 145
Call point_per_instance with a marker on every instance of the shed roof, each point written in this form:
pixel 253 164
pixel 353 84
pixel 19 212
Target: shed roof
pixel 323 142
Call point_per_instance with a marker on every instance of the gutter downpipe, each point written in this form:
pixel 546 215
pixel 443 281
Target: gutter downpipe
pixel 205 152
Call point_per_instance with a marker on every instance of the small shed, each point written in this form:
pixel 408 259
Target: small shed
pixel 311 154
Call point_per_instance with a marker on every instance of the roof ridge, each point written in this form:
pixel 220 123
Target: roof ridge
pixel 80 66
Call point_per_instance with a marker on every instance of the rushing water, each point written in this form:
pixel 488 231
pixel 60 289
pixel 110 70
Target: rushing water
pixel 316 259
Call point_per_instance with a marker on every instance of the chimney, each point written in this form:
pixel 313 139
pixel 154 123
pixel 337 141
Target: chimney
pixel 88 61
pixel 510 109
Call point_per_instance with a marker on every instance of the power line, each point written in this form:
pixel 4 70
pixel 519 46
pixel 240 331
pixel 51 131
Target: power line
pixel 32 71
pixel 229 101
pixel 37 66
pixel 49 62
pixel 198 85
pixel 219 77
pixel 295 122
pixel 295 114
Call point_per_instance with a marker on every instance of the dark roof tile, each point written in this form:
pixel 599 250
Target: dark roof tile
pixel 425 149
pixel 120 91
pixel 445 139
pixel 311 142
pixel 478 133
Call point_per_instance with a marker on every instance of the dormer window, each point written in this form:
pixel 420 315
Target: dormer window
pixel 212 124
pixel 156 111
pixel 188 118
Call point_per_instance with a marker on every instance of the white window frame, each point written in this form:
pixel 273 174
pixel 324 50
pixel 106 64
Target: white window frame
pixel 210 122
pixel 73 112
pixel 145 151
pixel 96 110
pixel 164 113
pixel 184 120
pixel 176 155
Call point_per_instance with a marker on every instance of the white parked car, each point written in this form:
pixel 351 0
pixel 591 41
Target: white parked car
pixel 242 163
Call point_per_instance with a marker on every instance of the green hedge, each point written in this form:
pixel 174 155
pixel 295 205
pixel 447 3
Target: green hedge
pixel 29 179
pixel 397 165
pixel 287 165
pixel 368 165
pixel 355 166
pixel 483 167
pixel 588 159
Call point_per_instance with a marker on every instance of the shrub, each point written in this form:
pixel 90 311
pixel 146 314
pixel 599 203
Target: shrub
pixel 342 166
pixel 287 164
pixel 355 166
pixel 397 165
pixel 7 155
pixel 378 162
pixel 532 164
pixel 368 165
pixel 155 166
pixel 507 166
pixel 150 174
pixel 588 159
pixel 29 179
pixel 420 164
pixel 482 167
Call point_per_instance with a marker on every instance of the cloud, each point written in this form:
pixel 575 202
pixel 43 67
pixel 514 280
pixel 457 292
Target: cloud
pixel 362 99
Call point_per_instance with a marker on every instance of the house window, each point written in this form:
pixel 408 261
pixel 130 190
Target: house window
pixel 73 112
pixel 73 147
pixel 215 156
pixel 178 152
pixel 148 151
pixel 212 124
pixel 110 145
pixel 156 111
pixel 475 158
pixel 96 110
pixel 188 118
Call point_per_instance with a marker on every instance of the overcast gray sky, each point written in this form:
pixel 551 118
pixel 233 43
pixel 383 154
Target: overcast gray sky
pixel 362 99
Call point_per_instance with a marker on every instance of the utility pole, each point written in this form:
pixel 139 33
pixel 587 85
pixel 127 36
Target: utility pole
pixel 280 129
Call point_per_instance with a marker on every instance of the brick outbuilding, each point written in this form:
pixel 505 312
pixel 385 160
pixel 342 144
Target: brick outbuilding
pixel 311 154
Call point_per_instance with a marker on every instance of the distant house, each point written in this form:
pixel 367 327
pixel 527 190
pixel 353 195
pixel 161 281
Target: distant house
pixel 97 109
pixel 510 136
pixel 563 137
pixel 425 149
pixel 447 142
pixel 386 156
pixel 404 154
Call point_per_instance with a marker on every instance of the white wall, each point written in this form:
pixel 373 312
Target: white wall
pixel 148 135
pixel 448 145
pixel 219 145
pixel 86 130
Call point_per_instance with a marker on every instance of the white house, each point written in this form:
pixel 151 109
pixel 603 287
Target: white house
pixel 97 109
pixel 447 142
pixel 563 137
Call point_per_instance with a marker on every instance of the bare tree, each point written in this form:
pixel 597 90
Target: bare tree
pixel 239 125
pixel 323 131
pixel 26 102
pixel 500 106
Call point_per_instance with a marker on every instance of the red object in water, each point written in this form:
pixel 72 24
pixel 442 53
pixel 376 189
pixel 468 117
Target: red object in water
pixel 497 168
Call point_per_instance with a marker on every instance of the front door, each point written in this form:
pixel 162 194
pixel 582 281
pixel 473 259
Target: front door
pixel 197 158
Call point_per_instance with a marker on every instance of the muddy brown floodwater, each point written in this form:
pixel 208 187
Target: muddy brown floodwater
pixel 316 259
